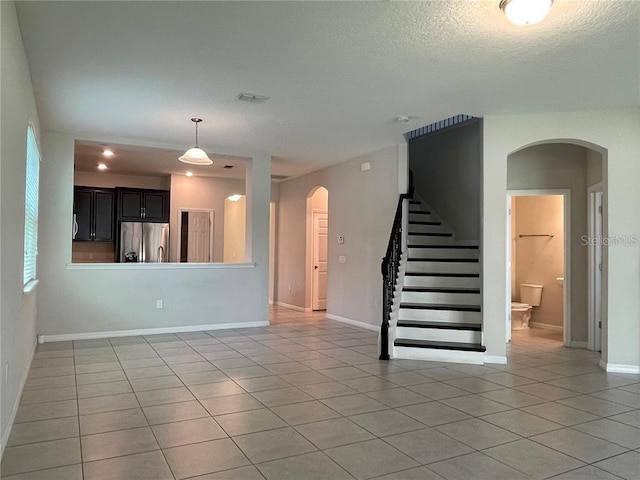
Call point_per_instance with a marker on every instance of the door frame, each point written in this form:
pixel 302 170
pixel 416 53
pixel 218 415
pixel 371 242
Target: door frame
pixel 595 287
pixel 211 219
pixel 314 234
pixel 566 292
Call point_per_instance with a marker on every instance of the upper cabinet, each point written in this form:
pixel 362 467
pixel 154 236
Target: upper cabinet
pixel 141 205
pixel 94 214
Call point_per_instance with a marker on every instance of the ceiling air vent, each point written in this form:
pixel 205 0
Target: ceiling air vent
pixel 228 166
pixel 279 177
pixel 250 97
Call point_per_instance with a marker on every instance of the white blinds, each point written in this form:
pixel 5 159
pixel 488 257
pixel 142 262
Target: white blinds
pixel 31 207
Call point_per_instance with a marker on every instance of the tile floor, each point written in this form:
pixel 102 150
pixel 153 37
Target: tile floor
pixel 306 398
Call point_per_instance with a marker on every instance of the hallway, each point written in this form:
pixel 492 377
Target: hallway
pixel 306 398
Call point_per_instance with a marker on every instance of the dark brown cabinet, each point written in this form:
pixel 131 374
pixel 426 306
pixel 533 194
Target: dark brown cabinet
pixel 139 205
pixel 94 214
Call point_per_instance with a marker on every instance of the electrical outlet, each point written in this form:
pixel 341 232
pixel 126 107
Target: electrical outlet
pixel 159 303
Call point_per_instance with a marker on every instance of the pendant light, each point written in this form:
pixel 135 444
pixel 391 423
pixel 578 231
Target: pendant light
pixel 525 12
pixel 195 155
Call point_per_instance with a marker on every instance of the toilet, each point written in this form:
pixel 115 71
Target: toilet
pixel 530 296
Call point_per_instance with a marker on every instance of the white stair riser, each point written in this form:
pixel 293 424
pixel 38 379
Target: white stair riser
pixel 419 228
pixel 438 355
pixel 453 282
pixel 420 217
pixel 443 267
pixel 439 335
pixel 428 240
pixel 454 316
pixel 470 253
pixel 448 298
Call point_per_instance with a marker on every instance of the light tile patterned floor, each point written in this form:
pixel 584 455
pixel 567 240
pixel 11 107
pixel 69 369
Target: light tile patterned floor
pixel 306 398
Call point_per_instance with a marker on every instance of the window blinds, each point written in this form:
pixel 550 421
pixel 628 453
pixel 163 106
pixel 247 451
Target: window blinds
pixel 31 207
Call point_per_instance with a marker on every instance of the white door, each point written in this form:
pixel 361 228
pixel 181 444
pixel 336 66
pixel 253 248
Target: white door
pixel 510 247
pixel 199 246
pixel 319 279
pixel 596 269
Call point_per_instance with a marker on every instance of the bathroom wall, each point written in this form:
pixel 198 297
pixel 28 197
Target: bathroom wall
pixel 540 260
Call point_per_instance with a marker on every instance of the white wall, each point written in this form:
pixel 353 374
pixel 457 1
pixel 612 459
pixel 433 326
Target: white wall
pixel 234 230
pixel 446 171
pixel 361 208
pixel 561 166
pixel 617 133
pixel 17 311
pixel 83 299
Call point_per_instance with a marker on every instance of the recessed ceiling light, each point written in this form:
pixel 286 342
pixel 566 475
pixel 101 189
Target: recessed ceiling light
pixel 406 118
pixel 189 174
pixel 107 153
pixel 102 166
pixel 235 197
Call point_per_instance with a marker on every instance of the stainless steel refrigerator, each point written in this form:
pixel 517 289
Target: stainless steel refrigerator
pixel 144 242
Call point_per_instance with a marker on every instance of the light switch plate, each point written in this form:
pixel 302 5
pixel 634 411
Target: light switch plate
pixel 340 239
pixel 342 259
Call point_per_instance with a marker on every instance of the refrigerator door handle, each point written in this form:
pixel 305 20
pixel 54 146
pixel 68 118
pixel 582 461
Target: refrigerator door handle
pixel 160 254
pixel 75 226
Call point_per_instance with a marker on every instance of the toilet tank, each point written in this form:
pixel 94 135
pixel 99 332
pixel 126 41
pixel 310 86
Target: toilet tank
pixel 530 293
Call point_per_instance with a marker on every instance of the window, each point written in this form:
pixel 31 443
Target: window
pixel 31 208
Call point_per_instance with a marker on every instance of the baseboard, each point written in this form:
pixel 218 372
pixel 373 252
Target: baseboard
pixel 14 410
pixel 293 307
pixel 584 345
pixel 501 360
pixel 355 323
pixel 618 368
pixel 146 331
pixel 546 326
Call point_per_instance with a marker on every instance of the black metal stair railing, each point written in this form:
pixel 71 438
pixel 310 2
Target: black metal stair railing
pixel 390 266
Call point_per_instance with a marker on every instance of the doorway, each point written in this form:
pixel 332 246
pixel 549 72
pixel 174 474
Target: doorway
pixel 317 248
pixel 538 253
pixel 196 232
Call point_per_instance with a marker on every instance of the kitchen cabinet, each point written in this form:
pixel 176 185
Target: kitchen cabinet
pixel 142 205
pixel 94 214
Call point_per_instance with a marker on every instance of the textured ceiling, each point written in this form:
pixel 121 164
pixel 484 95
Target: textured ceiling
pixel 338 73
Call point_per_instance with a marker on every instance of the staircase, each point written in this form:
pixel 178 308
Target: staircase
pixel 437 301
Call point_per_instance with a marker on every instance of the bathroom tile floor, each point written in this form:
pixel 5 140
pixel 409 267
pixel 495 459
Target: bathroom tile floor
pixel 307 398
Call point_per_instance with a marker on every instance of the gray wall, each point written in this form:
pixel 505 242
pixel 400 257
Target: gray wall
pixel 17 310
pixel 361 208
pixel 446 174
pixel 76 299
pixel 561 166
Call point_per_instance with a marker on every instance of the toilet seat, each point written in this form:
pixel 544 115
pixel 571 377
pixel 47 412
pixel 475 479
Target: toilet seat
pixel 520 307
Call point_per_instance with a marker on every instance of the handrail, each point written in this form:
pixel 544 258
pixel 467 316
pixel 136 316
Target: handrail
pixel 389 267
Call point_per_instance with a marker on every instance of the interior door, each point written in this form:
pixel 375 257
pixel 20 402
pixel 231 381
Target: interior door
pixel 199 244
pixel 319 287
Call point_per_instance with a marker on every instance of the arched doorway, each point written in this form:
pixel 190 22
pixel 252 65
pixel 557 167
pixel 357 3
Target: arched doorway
pixel 317 246
pixel 576 170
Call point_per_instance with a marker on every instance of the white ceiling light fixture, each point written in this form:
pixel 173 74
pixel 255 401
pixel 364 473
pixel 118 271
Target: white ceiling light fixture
pixel 189 174
pixel 235 197
pixel 102 166
pixel 195 155
pixel 107 153
pixel 525 12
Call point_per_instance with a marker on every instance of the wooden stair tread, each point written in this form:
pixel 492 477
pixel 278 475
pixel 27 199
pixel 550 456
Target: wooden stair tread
pixel 436 259
pixel 441 306
pixel 467 347
pixel 441 289
pixel 439 274
pixel 476 327
pixel 452 247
